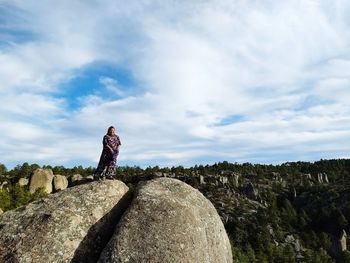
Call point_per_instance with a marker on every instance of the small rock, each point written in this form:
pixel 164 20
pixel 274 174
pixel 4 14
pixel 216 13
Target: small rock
pixel 76 177
pixel 23 181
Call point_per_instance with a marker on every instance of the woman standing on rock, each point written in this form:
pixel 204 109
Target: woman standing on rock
pixel 107 165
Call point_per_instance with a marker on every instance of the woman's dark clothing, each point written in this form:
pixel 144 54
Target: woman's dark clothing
pixel 108 160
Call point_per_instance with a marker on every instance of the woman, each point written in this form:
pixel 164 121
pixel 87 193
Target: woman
pixel 108 160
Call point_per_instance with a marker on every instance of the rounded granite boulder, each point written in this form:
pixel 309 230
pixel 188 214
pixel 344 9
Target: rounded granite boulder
pixel 60 182
pixel 41 178
pixel 69 226
pixel 168 221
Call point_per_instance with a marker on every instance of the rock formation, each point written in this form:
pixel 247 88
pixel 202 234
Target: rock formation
pixel 60 182
pixel 342 240
pixel 294 242
pixel 41 178
pixel 236 179
pixel 69 226
pixel 325 178
pixel 23 181
pixel 75 178
pixel 339 245
pixel 201 179
pixel 169 221
pixel 223 180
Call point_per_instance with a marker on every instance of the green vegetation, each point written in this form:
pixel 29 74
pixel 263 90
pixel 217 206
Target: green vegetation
pixel 15 196
pixel 294 217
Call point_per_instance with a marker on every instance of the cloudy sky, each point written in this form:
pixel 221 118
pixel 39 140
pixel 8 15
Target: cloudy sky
pixel 184 82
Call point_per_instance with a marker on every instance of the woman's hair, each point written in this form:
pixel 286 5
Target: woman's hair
pixel 109 128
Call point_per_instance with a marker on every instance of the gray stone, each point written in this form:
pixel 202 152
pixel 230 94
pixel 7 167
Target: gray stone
pixel 168 221
pixel 236 179
pixel 223 180
pixel 290 239
pixel 201 179
pixel 325 178
pixel 342 240
pixel 23 181
pixel 60 182
pixel 69 226
pixel 76 177
pixel 297 246
pixel 41 178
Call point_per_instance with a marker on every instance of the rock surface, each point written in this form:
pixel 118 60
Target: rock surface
pixel 169 221
pixel 76 177
pixel 69 226
pixel 23 181
pixel 41 178
pixel 60 182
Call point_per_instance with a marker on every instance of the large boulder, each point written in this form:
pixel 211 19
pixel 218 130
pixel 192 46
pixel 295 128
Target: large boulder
pixel 60 182
pixel 169 221
pixel 69 226
pixel 41 178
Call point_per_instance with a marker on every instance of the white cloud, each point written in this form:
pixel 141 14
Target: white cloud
pixel 282 66
pixel 112 86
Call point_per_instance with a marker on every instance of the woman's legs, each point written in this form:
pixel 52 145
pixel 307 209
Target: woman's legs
pixel 110 171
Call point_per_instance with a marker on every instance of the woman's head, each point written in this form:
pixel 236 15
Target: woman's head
pixel 111 130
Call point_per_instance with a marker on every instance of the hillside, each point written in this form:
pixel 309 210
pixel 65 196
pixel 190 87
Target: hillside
pixel 294 212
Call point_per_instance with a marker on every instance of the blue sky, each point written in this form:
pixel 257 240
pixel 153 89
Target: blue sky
pixel 184 82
